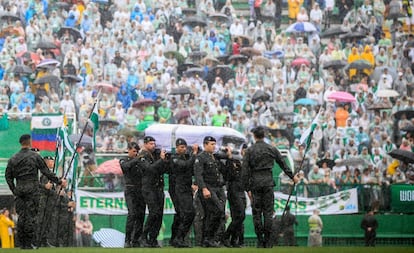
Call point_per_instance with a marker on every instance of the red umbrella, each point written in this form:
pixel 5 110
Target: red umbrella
pixel 106 87
pixel 110 166
pixel 299 61
pixel 143 102
pixel 29 56
pixel 342 96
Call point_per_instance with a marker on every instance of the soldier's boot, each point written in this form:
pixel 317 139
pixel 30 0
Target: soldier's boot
pixel 226 239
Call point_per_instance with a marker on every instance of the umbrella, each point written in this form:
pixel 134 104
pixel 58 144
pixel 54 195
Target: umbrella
pixel 29 56
pixel 47 79
pixel 223 71
pixel 197 55
pixel 402 155
pixel 109 238
pixel 300 27
pixel 408 113
pixel 274 132
pixel 342 96
pixel 189 11
pixel 106 122
pixel 249 51
pixel 48 62
pixel 194 71
pixel 328 162
pixel 180 91
pixel 271 54
pixel 380 106
pixel 143 102
pixel 72 31
pixel 183 67
pixel 299 61
pixel 110 166
pixel 44 44
pixel 352 35
pixel 378 71
pixel 183 113
pixel 260 95
pixel 105 87
pixel 9 16
pixel 62 5
pixel 245 40
pixel 177 55
pixel 335 64
pixel 353 161
pixel 72 78
pixel 208 58
pixel 194 21
pixel 409 128
pixel 359 65
pixel 223 58
pixel 128 132
pixel 387 93
pixel 86 140
pixel 219 18
pixel 305 101
pixel 333 31
pixel 21 70
pixel 238 58
pixel 261 60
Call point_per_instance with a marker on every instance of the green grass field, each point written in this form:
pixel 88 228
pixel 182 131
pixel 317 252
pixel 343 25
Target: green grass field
pixel 228 250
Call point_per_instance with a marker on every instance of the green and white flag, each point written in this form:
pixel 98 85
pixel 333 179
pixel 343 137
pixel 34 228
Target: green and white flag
pixel 95 122
pixel 306 137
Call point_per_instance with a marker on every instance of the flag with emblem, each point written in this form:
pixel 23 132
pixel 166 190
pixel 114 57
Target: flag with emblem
pixel 95 122
pixel 44 130
pixel 306 137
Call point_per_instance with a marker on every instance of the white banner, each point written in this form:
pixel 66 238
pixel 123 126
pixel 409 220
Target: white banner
pixel 113 203
pixel 46 121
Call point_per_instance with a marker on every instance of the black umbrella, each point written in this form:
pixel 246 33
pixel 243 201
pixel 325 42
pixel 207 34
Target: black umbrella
pixel 222 71
pixel 409 128
pixel 106 122
pixel 187 12
pixel 246 41
pixel 44 44
pixel 183 67
pixel 359 65
pixel 408 113
pixel 260 95
pixel 197 55
pixel 333 32
pixel 180 91
pixel 353 35
pixel 9 16
pixel 194 71
pixel 328 162
pixel 274 132
pixel 379 106
pixel 72 31
pixel 219 18
pixel 47 79
pixel 194 21
pixel 143 102
pixel 21 70
pixel 223 58
pixel 72 78
pixel 335 64
pixel 86 140
pixel 238 58
pixel 402 155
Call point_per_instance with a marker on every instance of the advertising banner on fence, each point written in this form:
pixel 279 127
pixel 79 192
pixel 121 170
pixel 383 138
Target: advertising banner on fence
pixel 402 198
pixel 113 203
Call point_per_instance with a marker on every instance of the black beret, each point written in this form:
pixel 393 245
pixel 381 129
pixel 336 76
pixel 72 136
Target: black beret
pixel 180 141
pixel 133 145
pixel 48 157
pixel 148 139
pixel 24 138
pixel 258 131
pixel 209 138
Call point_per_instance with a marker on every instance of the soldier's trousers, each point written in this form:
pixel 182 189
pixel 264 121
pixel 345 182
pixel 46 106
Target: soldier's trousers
pixel 155 202
pixel 214 211
pixel 237 202
pixel 262 210
pixel 136 214
pixel 176 221
pixel 184 199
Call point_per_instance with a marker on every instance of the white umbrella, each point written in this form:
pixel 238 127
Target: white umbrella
pixel 300 27
pixel 386 93
pixel 109 238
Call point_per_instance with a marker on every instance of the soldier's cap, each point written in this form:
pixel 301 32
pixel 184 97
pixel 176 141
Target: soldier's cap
pixel 35 149
pixel 209 138
pixel 258 131
pixel 24 137
pixel 148 139
pixel 48 157
pixel 133 145
pixel 180 141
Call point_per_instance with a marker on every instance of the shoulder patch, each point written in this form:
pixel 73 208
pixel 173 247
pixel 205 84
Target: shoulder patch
pixel 196 161
pixel 142 159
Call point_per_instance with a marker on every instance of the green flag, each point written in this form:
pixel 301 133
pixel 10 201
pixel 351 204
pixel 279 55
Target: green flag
pixel 95 122
pixel 306 137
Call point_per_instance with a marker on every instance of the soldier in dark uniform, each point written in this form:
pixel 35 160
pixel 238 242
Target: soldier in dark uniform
pixel 234 235
pixel 182 168
pixel 47 204
pixel 152 190
pixel 287 222
pixel 23 167
pixel 133 196
pixel 258 181
pixel 369 224
pixel 209 178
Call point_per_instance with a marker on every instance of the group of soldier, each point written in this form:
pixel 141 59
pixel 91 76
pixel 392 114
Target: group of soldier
pixel 197 177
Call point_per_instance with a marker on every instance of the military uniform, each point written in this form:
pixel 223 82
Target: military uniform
pixel 153 192
pixel 135 200
pixel 257 177
pixel 369 224
pixel 208 174
pixel 237 202
pixel 173 196
pixel 182 168
pixel 23 167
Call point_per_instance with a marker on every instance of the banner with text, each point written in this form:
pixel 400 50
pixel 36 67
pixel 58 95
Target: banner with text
pixel 402 198
pixel 113 203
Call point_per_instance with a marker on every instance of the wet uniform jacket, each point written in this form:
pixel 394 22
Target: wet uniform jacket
pixel 132 171
pixel 208 171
